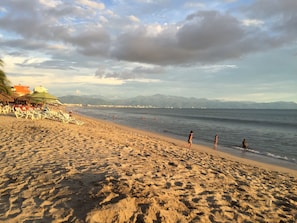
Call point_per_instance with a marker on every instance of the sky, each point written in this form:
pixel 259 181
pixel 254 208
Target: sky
pixel 231 50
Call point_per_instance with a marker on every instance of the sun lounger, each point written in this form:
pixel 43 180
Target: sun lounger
pixel 19 113
pixel 5 109
pixel 66 118
pixel 48 114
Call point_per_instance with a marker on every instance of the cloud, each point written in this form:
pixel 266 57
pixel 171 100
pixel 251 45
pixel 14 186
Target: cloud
pixel 135 72
pixel 252 22
pixel 91 41
pixel 104 73
pixel 148 69
pixel 174 42
pixel 48 64
pixel 280 17
pixel 201 37
pixel 133 18
pixel 217 68
pixel 207 30
pixel 92 4
pixel 206 37
pixel 50 3
pixel 193 4
pixel 22 44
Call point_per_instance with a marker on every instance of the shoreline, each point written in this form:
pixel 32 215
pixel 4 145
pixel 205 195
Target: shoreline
pixel 105 172
pixel 205 148
pixel 272 163
pixel 259 154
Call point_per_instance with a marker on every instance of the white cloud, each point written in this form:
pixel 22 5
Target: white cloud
pixel 92 4
pixel 58 47
pixel 217 68
pixel 154 30
pixel 145 80
pixel 103 19
pixel 133 18
pixel 252 22
pixel 50 3
pixel 2 9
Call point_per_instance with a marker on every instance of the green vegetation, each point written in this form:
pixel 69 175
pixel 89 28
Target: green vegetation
pixel 5 85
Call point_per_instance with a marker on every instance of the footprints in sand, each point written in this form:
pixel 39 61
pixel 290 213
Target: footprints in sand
pixel 101 173
pixel 199 187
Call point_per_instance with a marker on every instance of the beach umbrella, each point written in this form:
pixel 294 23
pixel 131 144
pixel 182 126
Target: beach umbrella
pixel 25 98
pixel 43 97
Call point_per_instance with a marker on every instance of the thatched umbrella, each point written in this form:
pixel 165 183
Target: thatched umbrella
pixel 43 97
pixel 24 98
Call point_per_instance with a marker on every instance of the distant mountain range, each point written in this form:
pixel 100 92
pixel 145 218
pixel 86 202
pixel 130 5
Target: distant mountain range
pixel 164 101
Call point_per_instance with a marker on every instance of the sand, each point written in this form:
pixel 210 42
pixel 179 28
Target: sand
pixel 101 172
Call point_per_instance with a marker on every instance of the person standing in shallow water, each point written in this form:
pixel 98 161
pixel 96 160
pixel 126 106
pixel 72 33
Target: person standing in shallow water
pixel 190 139
pixel 244 144
pixel 216 141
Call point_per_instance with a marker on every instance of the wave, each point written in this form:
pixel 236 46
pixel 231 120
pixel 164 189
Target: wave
pixel 265 154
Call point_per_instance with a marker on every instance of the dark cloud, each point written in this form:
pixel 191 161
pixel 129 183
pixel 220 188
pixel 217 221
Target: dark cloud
pixel 203 37
pixel 138 46
pixel 91 42
pixel 209 29
pixel 48 64
pixel 280 19
pixel 33 23
pixel 22 44
pixel 30 21
pixel 269 8
pixel 211 36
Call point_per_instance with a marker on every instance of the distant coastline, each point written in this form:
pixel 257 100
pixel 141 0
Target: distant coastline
pixel 164 101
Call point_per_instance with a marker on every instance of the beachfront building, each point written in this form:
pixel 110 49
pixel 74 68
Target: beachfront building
pixel 40 89
pixel 21 90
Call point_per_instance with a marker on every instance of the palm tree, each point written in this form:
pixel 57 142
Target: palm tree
pixel 5 85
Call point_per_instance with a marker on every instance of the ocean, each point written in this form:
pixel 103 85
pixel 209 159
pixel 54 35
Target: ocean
pixel 271 134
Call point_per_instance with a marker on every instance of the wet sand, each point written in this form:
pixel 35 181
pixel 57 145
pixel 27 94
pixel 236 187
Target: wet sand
pixel 102 172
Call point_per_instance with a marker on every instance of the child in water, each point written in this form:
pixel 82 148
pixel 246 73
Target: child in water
pixel 244 144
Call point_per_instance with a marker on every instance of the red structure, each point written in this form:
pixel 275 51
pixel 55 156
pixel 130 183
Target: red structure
pixel 21 90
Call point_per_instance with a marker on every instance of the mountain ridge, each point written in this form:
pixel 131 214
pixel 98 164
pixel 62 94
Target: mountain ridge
pixel 165 101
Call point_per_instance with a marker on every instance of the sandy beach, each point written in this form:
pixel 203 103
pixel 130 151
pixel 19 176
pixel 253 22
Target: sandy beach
pixel 100 172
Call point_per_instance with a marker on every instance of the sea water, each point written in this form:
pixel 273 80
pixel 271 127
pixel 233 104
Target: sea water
pixel 271 134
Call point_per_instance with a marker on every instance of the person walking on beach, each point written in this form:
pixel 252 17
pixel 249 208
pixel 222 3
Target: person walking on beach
pixel 190 139
pixel 244 144
pixel 216 141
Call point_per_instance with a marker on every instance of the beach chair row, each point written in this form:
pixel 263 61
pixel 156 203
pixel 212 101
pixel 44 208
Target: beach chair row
pixel 5 109
pixel 63 117
pixel 48 114
pixel 27 114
